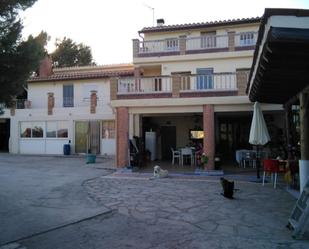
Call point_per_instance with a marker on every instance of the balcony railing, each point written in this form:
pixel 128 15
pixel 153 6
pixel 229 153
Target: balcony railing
pixel 185 83
pixel 200 44
pixel 160 84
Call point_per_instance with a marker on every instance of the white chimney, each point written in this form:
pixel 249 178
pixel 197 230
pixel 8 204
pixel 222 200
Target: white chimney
pixel 160 22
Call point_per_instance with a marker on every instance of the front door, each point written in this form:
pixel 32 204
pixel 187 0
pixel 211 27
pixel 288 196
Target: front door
pixel 168 141
pixel 204 78
pixel 87 137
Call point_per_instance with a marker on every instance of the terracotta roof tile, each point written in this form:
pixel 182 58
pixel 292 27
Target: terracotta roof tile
pixel 199 25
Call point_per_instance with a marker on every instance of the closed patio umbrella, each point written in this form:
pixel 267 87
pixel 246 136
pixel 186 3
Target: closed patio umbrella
pixel 258 133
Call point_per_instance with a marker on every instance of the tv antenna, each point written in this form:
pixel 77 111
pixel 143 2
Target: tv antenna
pixel 153 16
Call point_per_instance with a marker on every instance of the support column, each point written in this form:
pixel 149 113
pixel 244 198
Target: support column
pixel 304 129
pixel 122 136
pixel 209 135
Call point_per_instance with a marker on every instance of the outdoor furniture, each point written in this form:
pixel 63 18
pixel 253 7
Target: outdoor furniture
pixel 186 152
pixel 271 166
pixel 175 154
pixel 239 156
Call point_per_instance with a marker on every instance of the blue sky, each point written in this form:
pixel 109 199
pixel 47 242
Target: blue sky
pixel 108 27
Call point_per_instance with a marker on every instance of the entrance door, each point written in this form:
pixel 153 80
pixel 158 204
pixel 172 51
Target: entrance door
pixel 87 137
pixel 4 134
pixel 168 140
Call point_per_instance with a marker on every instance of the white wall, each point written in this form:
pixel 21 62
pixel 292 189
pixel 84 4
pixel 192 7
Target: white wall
pixel 37 92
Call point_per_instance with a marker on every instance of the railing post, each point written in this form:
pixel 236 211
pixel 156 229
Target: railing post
pixel 182 44
pixel 176 86
pixel 135 47
pixel 113 88
pixel 231 40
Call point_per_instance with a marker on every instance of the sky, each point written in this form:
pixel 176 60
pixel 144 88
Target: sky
pixel 108 27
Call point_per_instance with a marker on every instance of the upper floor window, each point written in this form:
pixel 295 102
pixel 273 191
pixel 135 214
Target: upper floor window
pixel 247 39
pixel 208 39
pixel 172 44
pixel 68 95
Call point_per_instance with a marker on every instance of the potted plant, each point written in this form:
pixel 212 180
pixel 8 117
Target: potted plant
pixel 204 159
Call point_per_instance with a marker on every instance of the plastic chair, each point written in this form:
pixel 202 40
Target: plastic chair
pixel 271 166
pixel 175 154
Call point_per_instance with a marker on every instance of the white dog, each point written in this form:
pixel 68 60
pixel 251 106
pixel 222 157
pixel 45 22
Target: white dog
pixel 159 173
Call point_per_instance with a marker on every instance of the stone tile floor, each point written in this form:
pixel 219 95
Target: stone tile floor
pixel 177 213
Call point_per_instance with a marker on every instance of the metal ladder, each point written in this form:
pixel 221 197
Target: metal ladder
pixel 299 219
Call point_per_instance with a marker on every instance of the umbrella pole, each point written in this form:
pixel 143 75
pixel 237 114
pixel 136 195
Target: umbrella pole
pixel 258 162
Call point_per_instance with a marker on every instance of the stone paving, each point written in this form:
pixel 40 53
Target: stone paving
pixel 177 213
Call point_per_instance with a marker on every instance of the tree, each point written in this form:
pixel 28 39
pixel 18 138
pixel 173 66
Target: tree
pixel 69 54
pixel 18 58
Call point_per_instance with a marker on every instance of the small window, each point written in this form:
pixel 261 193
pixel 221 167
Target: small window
pixel 37 129
pixel 108 129
pixel 25 129
pixel 62 129
pixel 68 96
pixel 246 39
pixel 51 129
pixel 172 44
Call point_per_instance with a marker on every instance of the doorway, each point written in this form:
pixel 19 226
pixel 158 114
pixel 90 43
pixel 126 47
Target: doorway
pixel 168 140
pixel 4 134
pixel 87 137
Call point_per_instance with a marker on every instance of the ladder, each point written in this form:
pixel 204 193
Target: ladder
pixel 298 221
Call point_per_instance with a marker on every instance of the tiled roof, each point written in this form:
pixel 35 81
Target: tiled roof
pixel 200 25
pixel 79 73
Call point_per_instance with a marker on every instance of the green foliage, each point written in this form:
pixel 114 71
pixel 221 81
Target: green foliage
pixel 69 54
pixel 18 58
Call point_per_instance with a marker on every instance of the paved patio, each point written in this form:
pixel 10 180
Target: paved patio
pixel 178 213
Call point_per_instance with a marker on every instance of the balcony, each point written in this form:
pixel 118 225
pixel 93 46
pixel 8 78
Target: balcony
pixel 193 85
pixel 193 45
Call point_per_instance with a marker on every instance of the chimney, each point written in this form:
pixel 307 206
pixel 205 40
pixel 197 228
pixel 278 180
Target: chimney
pixel 46 67
pixel 160 22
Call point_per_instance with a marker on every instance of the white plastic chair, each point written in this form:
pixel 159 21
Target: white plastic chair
pixel 185 152
pixel 175 154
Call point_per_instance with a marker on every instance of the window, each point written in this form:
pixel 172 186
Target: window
pixel 25 129
pixel 172 44
pixel 108 129
pixel 32 129
pixel 51 129
pixel 68 96
pixel 204 78
pixel 208 39
pixel 37 129
pixel 62 129
pixel 246 39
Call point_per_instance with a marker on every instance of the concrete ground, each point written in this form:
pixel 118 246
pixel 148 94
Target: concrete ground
pixel 138 212
pixel 42 193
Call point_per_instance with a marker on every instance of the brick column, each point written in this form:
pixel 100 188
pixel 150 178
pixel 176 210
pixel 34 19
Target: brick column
pixel 122 136
pixel 135 47
pixel 209 135
pixel 231 40
pixel 50 103
pixel 27 104
pixel 242 80
pixel 93 101
pixel 182 44
pixel 176 85
pixel 113 88
pixel 137 77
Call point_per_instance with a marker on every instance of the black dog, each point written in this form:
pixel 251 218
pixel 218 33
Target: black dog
pixel 228 188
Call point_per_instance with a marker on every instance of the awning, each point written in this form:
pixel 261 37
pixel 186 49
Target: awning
pixel 281 61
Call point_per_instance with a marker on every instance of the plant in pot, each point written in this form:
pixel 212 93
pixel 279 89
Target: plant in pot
pixel 204 160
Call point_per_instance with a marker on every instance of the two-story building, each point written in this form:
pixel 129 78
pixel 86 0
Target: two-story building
pixel 67 105
pixel 189 85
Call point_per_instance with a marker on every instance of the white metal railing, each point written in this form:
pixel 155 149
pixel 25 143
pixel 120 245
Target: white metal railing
pixel 209 82
pixel 160 84
pixel 159 46
pixel 245 39
pixel 204 42
pixel 207 42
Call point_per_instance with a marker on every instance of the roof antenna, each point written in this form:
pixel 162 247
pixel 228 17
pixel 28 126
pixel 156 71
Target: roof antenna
pixel 153 16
